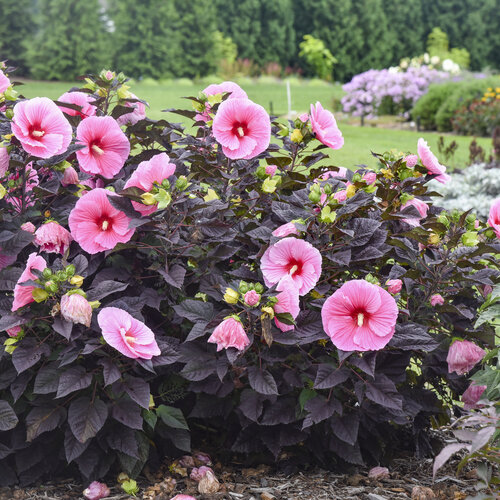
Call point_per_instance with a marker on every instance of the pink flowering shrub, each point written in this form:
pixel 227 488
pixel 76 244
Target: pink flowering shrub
pixel 282 308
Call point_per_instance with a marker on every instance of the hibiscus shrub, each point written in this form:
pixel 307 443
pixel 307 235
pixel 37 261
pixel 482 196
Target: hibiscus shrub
pixel 164 287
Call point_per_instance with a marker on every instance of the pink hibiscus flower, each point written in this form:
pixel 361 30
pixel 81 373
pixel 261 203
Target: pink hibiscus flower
pixel 52 238
pixel 80 99
pixel 394 286
pixel 126 334
pixel 271 169
pixel 41 128
pixel 422 208
pixel 370 177
pixel 235 92
pixel 106 146
pixel 137 114
pixel 96 225
pixel 251 298
pixel 341 172
pixel 410 160
pixel 430 162
pixel 295 258
pixel 230 333
pixel 463 355
pixel 76 308
pixel 325 127
pixel 360 316
pixel 242 128
pixel 288 302
pixel 157 169
pixel 4 161
pixel 22 294
pixel 70 177
pixel 472 395
pixel 437 300
pixel 4 82
pixel 494 217
pixel 285 230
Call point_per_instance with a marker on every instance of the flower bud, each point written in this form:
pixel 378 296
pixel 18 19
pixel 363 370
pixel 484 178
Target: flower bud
pixel 437 299
pixel 70 177
pixel 76 309
pixel 433 239
pixel 327 215
pixel 271 170
pixel 260 172
pixel 252 298
pixel 14 331
pixel 231 296
pixel 29 227
pixel 269 311
pixel 243 288
pixel 51 286
pixel 372 279
pixel 443 219
pixel 350 191
pixel 181 183
pixel 356 177
pixel 47 273
pixel 3 192
pixel 269 185
pixel 70 270
pixel 148 199
pixel 296 136
pixel 394 286
pixel 76 280
pixel 94 304
pixel 39 295
pixel 470 239
pixel 314 196
pixel 259 288
pixel 378 473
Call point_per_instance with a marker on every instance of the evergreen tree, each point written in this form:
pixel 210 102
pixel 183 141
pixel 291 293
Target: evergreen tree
pixel 406 28
pixel 70 40
pixel 16 28
pixel 145 38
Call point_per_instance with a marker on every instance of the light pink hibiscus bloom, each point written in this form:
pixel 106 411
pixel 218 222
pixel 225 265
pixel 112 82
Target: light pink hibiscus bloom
pixel 494 217
pixel 472 395
pixel 430 162
pixel 360 316
pixel 137 114
pixel 325 127
pixel 41 127
pixel 340 196
pixel 422 208
pixel 288 302
pixel 126 334
pixel 76 308
pixel 106 146
pixel 370 177
pixel 4 82
pixel 52 238
pixel 4 161
pixel 230 333
pixel 157 169
pixel 28 227
pixel 22 294
pixel 285 230
pixel 81 99
pixel 96 225
pixel 242 128
pixel 410 160
pixel 295 258
pixel 463 355
pixel 234 90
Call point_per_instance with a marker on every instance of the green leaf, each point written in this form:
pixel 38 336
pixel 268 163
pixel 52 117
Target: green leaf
pixel 172 417
pixel 305 395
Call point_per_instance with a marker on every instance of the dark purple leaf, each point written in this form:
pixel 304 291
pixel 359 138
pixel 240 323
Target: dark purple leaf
pixel 62 327
pixel 43 419
pixel 86 417
pixel 329 376
pixel 110 372
pixel 128 413
pixel 251 404
pixel 105 288
pixel 262 381
pixel 8 418
pixel 73 379
pixel 138 390
pixel 346 427
pixel 72 447
pixel 27 355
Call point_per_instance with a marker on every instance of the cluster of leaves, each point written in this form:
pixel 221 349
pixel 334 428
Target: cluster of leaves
pixel 480 117
pixel 65 392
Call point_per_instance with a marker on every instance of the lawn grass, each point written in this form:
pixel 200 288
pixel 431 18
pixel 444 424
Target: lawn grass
pixel 359 141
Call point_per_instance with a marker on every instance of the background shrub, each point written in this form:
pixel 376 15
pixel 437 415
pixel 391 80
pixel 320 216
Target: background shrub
pixel 428 105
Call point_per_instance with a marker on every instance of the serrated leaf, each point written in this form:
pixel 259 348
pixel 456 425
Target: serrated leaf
pixel 172 417
pixel 195 310
pixel 8 418
pixel 73 379
pixel 262 381
pixel 43 419
pixel 329 376
pixel 105 288
pixel 86 417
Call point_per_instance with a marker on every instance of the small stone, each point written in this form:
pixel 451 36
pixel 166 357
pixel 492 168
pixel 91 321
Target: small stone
pixel 422 493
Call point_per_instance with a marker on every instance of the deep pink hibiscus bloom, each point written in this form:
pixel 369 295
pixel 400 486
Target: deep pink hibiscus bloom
pixel 41 127
pixel 22 294
pixel 4 161
pixel 472 395
pixel 394 286
pixel 157 169
pixel 235 92
pixel 288 302
pixel 126 334
pixel 437 300
pixel 4 82
pixel 463 355
pixel 106 146
pixel 430 162
pixel 360 316
pixel 325 127
pixel 96 225
pixel 137 113
pixel 295 258
pixel 422 208
pixel 242 128
pixel 52 238
pixel 80 99
pixel 230 333
pixel 494 217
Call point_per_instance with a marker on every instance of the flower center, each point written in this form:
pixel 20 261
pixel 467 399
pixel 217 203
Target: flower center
pixel 105 225
pixel 240 129
pixel 97 150
pixel 361 318
pixel 37 133
pixel 293 269
pixel 129 339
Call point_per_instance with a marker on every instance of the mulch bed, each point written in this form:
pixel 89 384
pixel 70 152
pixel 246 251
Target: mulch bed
pixel 261 483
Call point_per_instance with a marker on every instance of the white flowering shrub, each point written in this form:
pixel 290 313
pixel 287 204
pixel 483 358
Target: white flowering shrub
pixel 475 187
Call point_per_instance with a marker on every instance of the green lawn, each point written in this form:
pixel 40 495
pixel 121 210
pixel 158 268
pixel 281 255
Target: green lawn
pixel 359 141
